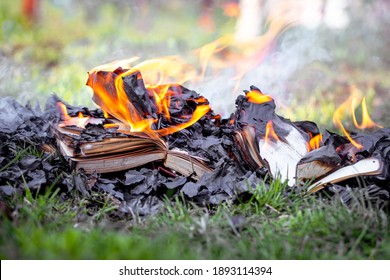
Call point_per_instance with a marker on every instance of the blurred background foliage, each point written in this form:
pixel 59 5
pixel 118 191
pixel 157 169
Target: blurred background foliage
pixel 51 51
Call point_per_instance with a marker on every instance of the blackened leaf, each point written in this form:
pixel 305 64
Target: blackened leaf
pixel 218 198
pixel 7 190
pixel 330 138
pixel 133 177
pixel 12 114
pixel 30 163
pixel 349 195
pixel 308 126
pixel 137 93
pixel 80 181
pixel 110 188
pixel 190 189
pixel 176 182
pixel 35 179
pixel 142 205
pixel 142 188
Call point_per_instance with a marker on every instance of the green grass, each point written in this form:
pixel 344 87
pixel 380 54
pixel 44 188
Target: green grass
pixel 267 226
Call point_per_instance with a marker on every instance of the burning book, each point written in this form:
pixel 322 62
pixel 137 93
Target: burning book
pixel 132 132
pixel 295 151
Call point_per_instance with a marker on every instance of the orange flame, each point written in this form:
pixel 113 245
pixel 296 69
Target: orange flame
pixel 113 99
pixel 315 142
pixel 270 134
pixel 337 122
pixel 227 52
pixel 162 97
pixel 351 104
pixel 79 121
pixel 231 51
pixel 256 96
pixel 110 125
pixel 367 122
pixel 110 95
pixel 64 111
pixel 199 112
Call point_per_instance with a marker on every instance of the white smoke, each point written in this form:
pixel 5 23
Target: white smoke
pixel 297 49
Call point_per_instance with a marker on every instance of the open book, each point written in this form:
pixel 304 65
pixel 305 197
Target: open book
pixel 117 151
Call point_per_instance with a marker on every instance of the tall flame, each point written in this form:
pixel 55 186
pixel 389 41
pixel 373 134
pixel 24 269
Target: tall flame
pixel 366 122
pixel 162 97
pixel 227 52
pixel 157 71
pixel 124 100
pixel 350 105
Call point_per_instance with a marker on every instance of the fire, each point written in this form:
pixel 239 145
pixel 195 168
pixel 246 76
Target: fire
pixel 158 71
pixel 199 112
pixel 64 111
pixel 350 105
pixel 315 142
pixel 367 122
pixel 125 103
pixel 162 96
pixel 241 54
pixel 79 121
pixel 112 98
pixel 256 96
pixel 228 53
pixel 270 134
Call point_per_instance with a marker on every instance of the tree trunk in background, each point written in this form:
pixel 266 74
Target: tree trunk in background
pixel 30 10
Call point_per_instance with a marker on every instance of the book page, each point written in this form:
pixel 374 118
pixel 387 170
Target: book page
pixel 247 144
pixel 368 166
pixel 117 145
pixel 186 164
pixel 283 156
pixel 117 162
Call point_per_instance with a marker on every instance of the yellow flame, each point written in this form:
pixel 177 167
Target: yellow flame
pixel 314 143
pixel 350 105
pixel 199 112
pixel 162 96
pixel 256 96
pixel 110 95
pixel 79 121
pixel 366 122
pixel 227 52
